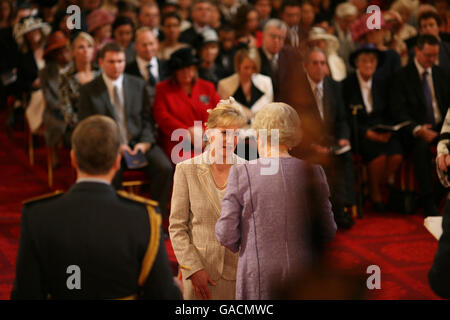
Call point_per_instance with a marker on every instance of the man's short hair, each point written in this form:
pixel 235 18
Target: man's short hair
pixel 424 39
pixel 429 15
pixel 110 47
pixel 307 56
pixel 96 144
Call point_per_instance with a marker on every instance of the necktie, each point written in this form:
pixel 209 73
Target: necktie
pixel 274 64
pixel 120 115
pixel 151 78
pixel 428 99
pixel 319 101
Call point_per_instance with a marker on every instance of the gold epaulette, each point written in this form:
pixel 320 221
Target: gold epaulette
pixel 131 196
pixel 43 196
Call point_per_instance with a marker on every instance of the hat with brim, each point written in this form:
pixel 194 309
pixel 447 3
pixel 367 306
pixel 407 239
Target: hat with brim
pixel 98 18
pixel 182 58
pixel 366 48
pixel 29 24
pixel 55 41
pixel 361 27
pixel 318 33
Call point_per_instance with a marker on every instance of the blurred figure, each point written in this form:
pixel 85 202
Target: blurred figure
pixel 307 16
pixel 381 150
pixel 208 53
pixel 179 102
pixel 319 38
pixel 171 28
pixel 81 71
pixel 150 17
pixel 290 14
pixel 227 49
pixel 128 9
pixel 420 94
pixel 245 23
pixel 123 31
pixel 57 56
pixel 147 65
pixel 208 269
pixel 99 24
pixel 250 88
pixel 78 231
pixel 228 9
pixel 405 30
pixel 272 240
pixel 6 14
pixel 438 274
pixel 330 115
pixel 264 8
pixel 363 35
pixel 201 19
pixel 345 15
pixel 274 35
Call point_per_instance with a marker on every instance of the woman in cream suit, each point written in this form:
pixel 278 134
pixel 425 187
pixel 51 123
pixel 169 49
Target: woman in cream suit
pixel 208 269
pixel 250 88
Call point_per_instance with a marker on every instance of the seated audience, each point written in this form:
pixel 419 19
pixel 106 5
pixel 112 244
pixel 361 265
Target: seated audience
pixel 420 94
pixel 382 151
pixel 290 13
pixel 264 8
pixel 207 53
pixel 250 88
pixel 123 31
pixel 267 218
pixel 208 269
pixel 91 231
pixel 180 101
pixel 245 23
pixel 274 35
pixel 345 15
pixel 125 98
pixel 201 18
pixel 171 28
pixel 150 17
pixel 147 65
pixel 330 115
pixel 99 24
pixel 81 71
pixel 227 49
pixel 57 56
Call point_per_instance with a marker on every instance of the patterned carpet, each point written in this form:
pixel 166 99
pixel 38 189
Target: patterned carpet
pixel 397 243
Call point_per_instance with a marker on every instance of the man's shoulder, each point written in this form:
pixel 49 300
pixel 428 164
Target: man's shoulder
pixel 43 198
pixel 93 85
pixel 132 199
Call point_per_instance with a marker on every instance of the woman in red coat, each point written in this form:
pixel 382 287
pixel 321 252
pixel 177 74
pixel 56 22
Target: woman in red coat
pixel 179 102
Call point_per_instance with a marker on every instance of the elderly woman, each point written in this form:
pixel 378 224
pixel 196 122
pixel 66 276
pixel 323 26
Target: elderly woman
pixel 250 88
pixel 208 269
pixel 382 150
pixel 266 209
pixel 181 101
pixel 79 73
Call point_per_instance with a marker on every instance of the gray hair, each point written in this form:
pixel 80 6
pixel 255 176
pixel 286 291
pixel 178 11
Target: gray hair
pixel 275 23
pixel 346 9
pixel 311 50
pixel 281 117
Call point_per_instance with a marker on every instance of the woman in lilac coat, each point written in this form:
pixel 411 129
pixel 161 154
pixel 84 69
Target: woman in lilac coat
pixel 266 212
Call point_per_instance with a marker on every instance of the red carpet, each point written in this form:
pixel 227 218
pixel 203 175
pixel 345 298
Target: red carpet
pixel 398 244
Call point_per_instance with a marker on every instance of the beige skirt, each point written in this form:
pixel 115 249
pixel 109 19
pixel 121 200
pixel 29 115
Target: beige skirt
pixel 223 290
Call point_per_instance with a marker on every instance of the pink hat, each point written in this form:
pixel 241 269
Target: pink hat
pixel 360 28
pixel 98 18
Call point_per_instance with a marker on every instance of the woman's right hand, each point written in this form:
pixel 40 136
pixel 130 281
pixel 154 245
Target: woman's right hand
pixel 378 137
pixel 200 281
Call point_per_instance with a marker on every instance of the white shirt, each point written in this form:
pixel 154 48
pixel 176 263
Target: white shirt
pixel 317 89
pixel 110 86
pixel 437 112
pixel 366 92
pixel 142 65
pixel 97 180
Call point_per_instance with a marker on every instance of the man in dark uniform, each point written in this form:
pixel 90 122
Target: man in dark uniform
pixel 91 242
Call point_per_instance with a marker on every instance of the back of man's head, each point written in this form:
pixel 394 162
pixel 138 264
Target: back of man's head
pixel 96 144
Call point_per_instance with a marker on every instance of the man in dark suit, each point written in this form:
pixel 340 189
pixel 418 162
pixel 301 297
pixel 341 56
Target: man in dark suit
pixel 429 23
pixel 420 94
pixel 201 17
pixel 273 41
pixel 146 65
pixel 92 243
pixel 330 117
pixel 125 98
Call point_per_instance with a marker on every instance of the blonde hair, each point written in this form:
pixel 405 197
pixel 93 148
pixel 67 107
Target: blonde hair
pixel 226 113
pixel 282 117
pixel 83 36
pixel 251 53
